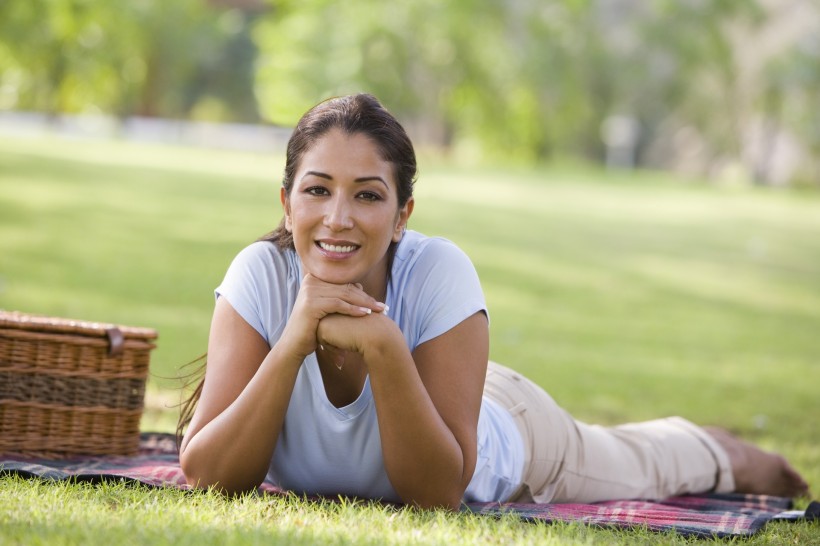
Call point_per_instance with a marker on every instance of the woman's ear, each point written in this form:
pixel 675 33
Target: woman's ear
pixel 283 197
pixel 401 221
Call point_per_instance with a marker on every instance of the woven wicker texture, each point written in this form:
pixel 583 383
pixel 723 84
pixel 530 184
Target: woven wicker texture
pixel 70 387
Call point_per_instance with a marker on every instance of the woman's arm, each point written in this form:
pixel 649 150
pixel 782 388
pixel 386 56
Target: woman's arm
pixel 427 403
pixel 247 389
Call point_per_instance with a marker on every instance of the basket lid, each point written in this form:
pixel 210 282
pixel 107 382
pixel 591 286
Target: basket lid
pixel 41 323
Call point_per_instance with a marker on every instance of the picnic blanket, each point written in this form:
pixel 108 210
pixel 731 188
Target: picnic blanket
pixel 157 465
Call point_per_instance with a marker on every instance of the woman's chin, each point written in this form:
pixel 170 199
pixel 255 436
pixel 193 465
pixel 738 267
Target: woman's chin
pixel 333 277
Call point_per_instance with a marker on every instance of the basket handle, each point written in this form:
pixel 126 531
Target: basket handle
pixel 115 341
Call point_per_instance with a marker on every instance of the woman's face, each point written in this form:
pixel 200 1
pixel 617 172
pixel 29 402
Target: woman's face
pixel 343 211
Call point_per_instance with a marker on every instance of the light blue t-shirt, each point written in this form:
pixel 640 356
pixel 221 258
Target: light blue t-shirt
pixel 327 450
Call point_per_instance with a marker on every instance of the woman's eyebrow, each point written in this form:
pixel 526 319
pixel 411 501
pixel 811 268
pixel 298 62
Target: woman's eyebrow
pixel 317 173
pixel 360 179
pixel 370 179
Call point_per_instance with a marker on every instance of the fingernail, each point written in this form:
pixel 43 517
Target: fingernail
pixel 386 309
pixel 381 305
pixel 366 310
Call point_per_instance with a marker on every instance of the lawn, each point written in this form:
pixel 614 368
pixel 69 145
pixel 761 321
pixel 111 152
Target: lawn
pixel 627 296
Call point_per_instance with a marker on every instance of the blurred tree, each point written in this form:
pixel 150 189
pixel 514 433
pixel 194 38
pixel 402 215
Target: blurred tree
pixel 228 72
pixel 45 45
pixel 404 52
pixel 147 57
pixel 793 95
pixel 525 78
pixel 445 67
pixel 694 74
pixel 789 103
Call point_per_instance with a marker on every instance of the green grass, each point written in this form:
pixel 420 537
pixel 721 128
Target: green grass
pixel 37 513
pixel 627 296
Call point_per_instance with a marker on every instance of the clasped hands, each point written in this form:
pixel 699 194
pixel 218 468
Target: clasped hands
pixel 339 317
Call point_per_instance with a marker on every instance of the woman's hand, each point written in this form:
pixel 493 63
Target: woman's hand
pixel 357 334
pixel 316 301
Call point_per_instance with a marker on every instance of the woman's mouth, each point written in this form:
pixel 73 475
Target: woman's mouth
pixel 337 248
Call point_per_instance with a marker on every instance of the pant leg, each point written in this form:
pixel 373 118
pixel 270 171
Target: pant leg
pixel 649 460
pixel 570 461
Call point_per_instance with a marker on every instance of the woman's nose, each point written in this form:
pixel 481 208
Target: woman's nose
pixel 338 214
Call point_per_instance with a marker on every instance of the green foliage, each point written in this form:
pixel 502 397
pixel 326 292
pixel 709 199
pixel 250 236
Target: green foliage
pixel 793 90
pixel 523 80
pixel 532 80
pixel 148 58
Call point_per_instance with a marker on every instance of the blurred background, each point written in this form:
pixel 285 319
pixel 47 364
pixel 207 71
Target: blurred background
pixel 723 89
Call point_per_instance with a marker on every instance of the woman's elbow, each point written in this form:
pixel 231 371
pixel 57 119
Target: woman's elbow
pixel 195 478
pixel 452 504
pixel 211 478
pixel 223 487
pixel 436 500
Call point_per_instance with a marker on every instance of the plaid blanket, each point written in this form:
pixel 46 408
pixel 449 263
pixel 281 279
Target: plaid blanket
pixel 157 465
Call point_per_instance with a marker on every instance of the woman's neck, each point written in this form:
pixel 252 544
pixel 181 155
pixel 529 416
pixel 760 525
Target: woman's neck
pixel 375 284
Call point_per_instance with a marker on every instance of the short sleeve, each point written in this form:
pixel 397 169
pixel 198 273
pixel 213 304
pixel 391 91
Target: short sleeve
pixel 257 284
pixel 436 286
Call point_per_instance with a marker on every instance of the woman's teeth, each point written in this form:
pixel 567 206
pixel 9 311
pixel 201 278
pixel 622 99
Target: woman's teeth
pixel 336 248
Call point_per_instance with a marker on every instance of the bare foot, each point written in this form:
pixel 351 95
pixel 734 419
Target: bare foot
pixel 757 471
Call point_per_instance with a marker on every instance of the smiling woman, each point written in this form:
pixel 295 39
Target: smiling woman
pixel 343 211
pixel 348 355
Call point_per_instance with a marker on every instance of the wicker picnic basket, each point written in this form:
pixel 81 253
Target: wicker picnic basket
pixel 70 387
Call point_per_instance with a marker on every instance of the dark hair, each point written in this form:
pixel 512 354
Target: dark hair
pixel 353 114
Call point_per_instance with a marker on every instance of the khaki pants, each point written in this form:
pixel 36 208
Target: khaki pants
pixel 570 461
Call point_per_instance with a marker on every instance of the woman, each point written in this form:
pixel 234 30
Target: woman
pixel 348 356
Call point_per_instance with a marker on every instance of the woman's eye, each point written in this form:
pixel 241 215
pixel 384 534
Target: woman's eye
pixel 316 190
pixel 370 196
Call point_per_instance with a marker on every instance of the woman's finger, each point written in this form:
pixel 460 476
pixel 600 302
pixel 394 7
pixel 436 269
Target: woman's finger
pixel 341 306
pixel 351 293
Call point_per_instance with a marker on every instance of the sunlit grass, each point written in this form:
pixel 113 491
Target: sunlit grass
pixel 627 297
pixel 37 513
